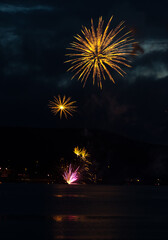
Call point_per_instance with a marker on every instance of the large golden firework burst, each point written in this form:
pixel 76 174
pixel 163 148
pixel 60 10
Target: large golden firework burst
pixel 97 51
pixel 62 106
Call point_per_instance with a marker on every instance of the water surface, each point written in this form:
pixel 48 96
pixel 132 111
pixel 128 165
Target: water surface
pixel 37 211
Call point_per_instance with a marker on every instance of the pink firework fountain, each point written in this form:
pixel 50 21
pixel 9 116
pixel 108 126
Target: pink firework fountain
pixel 70 176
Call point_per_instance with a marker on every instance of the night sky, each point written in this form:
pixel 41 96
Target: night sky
pixel 34 36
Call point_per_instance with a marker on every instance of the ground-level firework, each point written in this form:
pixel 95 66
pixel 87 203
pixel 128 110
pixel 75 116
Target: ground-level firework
pixel 80 168
pixel 100 50
pixel 62 106
pixel 70 175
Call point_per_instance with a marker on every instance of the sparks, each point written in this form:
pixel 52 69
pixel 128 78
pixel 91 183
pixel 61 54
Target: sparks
pixel 84 153
pixel 62 106
pixel 97 51
pixel 81 152
pixel 77 151
pixel 71 176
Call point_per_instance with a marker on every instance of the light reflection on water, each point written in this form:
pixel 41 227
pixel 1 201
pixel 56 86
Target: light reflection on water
pixel 81 227
pixel 70 218
pixel 69 195
pixel 83 212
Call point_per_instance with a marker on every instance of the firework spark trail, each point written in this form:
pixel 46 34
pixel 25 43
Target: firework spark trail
pixel 71 176
pixel 86 169
pixel 64 106
pixel 97 51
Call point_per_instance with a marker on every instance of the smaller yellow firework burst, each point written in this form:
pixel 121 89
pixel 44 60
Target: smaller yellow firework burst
pixel 62 106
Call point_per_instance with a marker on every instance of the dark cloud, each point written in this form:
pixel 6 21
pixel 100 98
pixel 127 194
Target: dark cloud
pixel 151 63
pixel 9 8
